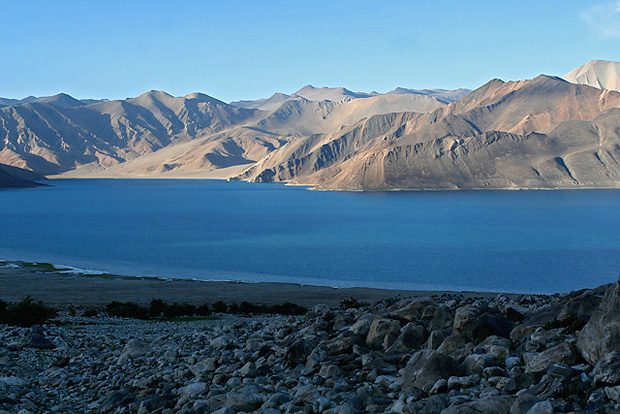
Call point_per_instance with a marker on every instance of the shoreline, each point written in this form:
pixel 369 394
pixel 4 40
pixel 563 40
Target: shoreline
pixel 65 286
pixel 317 187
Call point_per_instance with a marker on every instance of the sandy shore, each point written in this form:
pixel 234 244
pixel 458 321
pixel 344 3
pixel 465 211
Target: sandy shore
pixel 43 282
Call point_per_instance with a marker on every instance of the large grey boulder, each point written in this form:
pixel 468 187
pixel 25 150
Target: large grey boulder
pixel 412 337
pixel 490 405
pixel 431 405
pixel 560 354
pixel 601 335
pixel 413 310
pixel 379 330
pixel 426 367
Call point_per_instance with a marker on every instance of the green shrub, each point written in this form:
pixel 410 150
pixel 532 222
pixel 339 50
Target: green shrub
pixel 203 310
pixel 179 309
pixel 219 307
pixel 288 308
pixel 352 303
pixel 158 309
pixel 127 310
pixel 90 313
pixel 25 313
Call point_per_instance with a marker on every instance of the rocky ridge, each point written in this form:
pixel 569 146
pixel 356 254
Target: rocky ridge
pixel 443 354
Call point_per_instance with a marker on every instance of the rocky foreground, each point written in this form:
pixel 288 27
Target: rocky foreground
pixel 445 354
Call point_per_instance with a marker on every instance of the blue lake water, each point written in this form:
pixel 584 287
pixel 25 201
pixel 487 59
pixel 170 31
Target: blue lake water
pixel 513 241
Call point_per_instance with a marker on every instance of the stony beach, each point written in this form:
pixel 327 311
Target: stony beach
pixel 441 353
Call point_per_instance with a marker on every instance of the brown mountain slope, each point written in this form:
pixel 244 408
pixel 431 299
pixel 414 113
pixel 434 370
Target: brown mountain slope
pixel 295 121
pixel 540 133
pixel 51 138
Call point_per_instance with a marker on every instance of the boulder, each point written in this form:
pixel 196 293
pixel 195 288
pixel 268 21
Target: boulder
pixel 535 320
pixel 455 345
pixel 431 405
pixel 515 313
pixel 39 341
pixel 607 370
pixel 491 324
pixel 476 363
pixel 580 306
pixel 244 400
pixel 117 399
pixel 523 403
pixel 342 344
pixel 412 310
pixel 133 349
pixel 361 326
pixel 601 335
pixel 613 393
pixel 412 337
pixel 466 317
pixel 425 368
pixel 298 352
pixel 191 391
pixel 563 353
pixel 489 405
pixel 436 338
pixel 542 407
pixel 442 318
pixel 381 328
pixel 248 370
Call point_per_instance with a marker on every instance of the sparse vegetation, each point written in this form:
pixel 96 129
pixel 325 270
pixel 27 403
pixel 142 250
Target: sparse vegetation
pixel 25 313
pixel 90 313
pixel 352 303
pixel 158 309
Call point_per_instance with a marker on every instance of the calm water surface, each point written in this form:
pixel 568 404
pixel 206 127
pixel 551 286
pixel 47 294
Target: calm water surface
pixel 517 241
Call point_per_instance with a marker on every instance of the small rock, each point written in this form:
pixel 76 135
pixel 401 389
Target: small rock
pixel 248 370
pixel 133 349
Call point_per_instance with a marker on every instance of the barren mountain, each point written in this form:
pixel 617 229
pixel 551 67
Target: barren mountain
pixel 238 147
pixel 61 133
pixel 601 74
pixel 312 93
pixel 539 133
pixel 62 99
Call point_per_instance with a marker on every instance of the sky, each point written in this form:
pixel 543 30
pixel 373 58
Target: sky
pixel 240 49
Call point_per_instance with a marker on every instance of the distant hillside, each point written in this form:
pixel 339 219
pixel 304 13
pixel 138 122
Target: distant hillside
pixel 540 133
pixel 61 133
pixel 312 93
pixel 13 177
pixel 61 99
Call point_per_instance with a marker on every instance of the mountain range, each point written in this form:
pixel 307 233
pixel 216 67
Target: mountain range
pixel 546 132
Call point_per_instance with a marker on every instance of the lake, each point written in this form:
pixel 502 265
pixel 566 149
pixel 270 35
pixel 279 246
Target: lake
pixel 508 241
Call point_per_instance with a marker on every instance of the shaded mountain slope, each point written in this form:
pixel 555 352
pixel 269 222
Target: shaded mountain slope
pixel 13 177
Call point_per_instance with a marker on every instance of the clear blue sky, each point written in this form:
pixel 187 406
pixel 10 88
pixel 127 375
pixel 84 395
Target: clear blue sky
pixel 251 49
